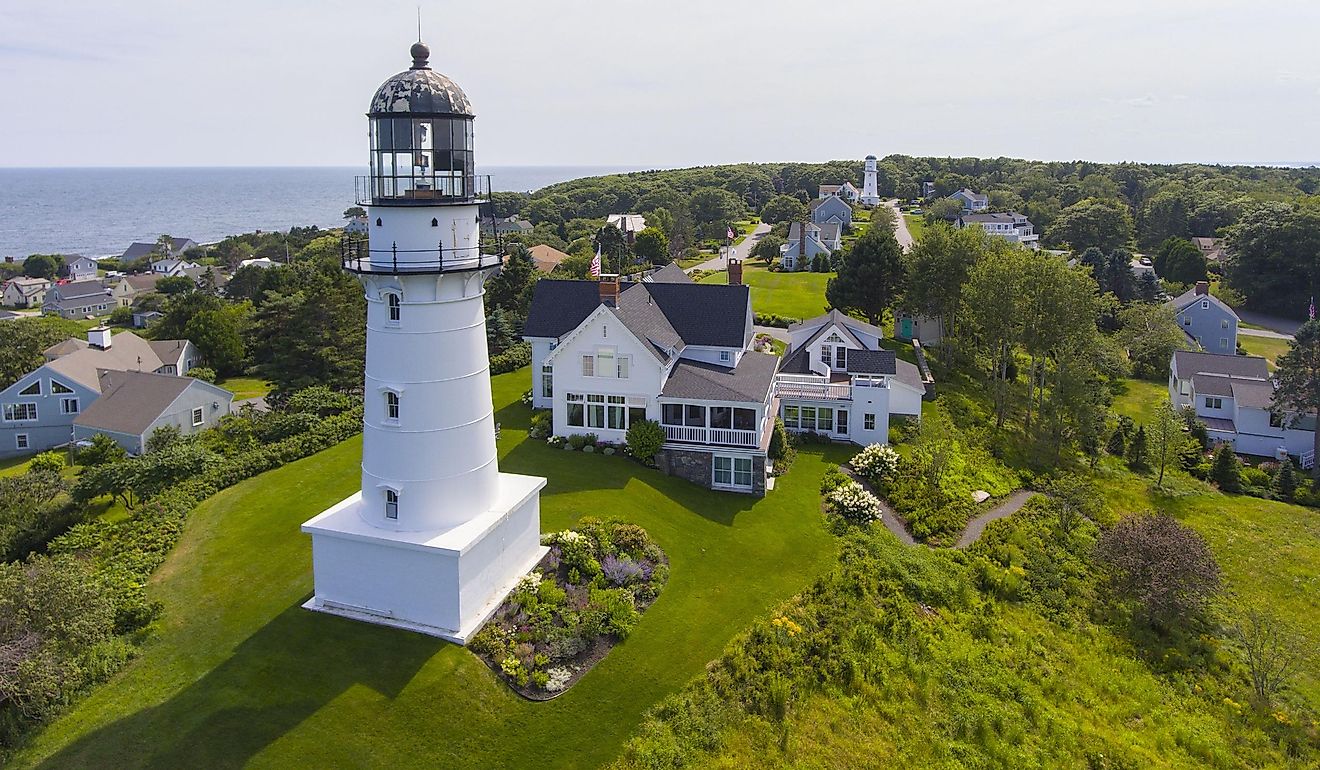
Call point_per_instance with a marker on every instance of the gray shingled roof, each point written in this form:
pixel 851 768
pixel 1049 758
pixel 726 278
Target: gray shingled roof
pixel 749 382
pixel 1212 385
pixel 131 401
pixel 704 314
pixel 1190 297
pixel 559 306
pixel 1189 362
pixel 838 317
pixel 1250 393
pixel 908 373
pixel 670 273
pixel 872 362
pixel 137 250
pixel 647 322
pixel 79 290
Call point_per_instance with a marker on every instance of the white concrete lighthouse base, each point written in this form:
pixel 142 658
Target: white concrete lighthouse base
pixel 444 583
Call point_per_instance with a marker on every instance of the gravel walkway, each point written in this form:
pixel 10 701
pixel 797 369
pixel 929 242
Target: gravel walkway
pixel 975 528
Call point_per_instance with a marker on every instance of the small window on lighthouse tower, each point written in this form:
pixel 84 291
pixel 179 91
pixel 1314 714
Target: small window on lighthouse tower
pixel 435 222
pixel 391 504
pixel 377 221
pixel 392 406
pixel 396 310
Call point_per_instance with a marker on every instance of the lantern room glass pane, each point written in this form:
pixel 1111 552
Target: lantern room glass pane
pixel 443 134
pixel 423 129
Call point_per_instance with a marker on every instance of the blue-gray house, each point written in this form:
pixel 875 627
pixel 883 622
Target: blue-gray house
pixel 831 209
pixel 1206 320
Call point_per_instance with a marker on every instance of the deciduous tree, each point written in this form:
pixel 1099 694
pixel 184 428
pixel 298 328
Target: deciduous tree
pixel 1161 568
pixel 1298 375
pixel 1100 222
pixel 870 278
pixel 783 208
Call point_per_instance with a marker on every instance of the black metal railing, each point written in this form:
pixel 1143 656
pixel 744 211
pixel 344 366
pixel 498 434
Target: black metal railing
pixel 420 189
pixel 357 256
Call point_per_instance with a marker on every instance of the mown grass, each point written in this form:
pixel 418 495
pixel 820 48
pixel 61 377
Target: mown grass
pixel 916 225
pixel 238 673
pixel 1269 347
pixel 245 387
pixel 1140 399
pixel 794 295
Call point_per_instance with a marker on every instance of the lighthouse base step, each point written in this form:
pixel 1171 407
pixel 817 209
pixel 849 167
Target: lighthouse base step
pixel 444 583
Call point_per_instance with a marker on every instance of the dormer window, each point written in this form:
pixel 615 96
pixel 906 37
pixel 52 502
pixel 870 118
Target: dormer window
pixel 391 406
pixel 391 504
pixel 394 304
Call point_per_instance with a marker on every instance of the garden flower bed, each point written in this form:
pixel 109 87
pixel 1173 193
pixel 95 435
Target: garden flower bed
pixel 562 618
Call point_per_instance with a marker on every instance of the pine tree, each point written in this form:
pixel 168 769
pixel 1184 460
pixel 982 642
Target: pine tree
pixel 1138 455
pixel 1226 471
pixel 1285 481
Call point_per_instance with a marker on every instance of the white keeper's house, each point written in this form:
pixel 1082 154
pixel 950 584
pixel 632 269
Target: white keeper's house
pixel 836 380
pixel 437 536
pixel 607 353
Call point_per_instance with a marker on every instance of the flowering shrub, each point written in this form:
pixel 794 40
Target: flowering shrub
pixel 877 462
pixel 854 503
pixel 586 594
pixel 556 441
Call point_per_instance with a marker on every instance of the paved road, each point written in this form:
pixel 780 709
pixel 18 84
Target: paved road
pixel 1263 333
pixel 1274 323
pixel 741 250
pixel 772 331
pixel 901 232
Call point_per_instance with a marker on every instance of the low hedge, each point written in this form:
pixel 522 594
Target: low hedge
pixel 515 357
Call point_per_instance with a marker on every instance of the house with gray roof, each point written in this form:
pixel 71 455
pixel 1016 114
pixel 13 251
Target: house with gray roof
pixel 78 299
pixel 971 201
pixel 169 267
pixel 831 209
pixel 133 405
pixel 80 268
pixel 139 249
pixel 128 288
pixel 836 380
pixel 846 191
pixel 608 353
pixel 1009 225
pixel 39 409
pixel 799 251
pixel 1206 320
pixel 25 292
pixel 1234 397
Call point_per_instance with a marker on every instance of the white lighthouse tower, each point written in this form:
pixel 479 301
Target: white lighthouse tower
pixel 870 192
pixel 437 536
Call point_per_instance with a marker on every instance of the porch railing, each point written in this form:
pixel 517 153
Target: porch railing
pixel 803 386
pixel 691 434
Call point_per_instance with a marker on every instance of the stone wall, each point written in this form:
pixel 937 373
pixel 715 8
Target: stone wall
pixel 694 465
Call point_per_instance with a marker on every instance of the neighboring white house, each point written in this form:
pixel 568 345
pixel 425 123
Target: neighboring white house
pixel 25 292
pixel 261 262
pixel 836 380
pixel 831 209
pixel 846 191
pixel 1234 397
pixel 1008 225
pixel 39 409
pixel 78 299
pixel 1206 320
pixel 171 267
pixel 629 224
pixel 607 354
pixel 81 268
pixel 356 226
pixel 972 202
pixel 798 251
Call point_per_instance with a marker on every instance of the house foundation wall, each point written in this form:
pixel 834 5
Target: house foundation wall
pixel 697 466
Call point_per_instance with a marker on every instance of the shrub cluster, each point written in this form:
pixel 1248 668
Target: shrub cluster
pixel 854 504
pixel 515 357
pixel 589 591
pixel 773 319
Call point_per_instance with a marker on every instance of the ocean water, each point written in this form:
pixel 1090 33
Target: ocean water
pixel 100 211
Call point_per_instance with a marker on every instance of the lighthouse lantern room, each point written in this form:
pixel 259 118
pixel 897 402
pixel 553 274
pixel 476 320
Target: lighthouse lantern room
pixel 437 536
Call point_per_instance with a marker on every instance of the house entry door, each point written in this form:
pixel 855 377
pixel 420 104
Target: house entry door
pixel 841 417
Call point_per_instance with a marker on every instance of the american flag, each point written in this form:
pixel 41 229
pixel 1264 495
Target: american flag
pixel 595 264
pixel 729 234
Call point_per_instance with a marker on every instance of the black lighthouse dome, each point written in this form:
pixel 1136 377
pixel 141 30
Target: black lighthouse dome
pixel 421 137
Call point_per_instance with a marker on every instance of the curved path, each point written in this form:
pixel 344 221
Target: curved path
pixel 896 524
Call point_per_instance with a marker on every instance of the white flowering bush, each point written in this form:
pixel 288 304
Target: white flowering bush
pixel 877 462
pixel 854 503
pixel 557 679
pixel 529 583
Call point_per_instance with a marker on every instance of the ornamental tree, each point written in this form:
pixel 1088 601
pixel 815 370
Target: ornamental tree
pixel 1159 567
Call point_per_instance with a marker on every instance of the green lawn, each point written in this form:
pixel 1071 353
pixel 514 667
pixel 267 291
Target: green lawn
pixel 245 387
pixel 238 673
pixel 1139 399
pixel 15 466
pixel 916 225
pixel 795 295
pixel 1269 347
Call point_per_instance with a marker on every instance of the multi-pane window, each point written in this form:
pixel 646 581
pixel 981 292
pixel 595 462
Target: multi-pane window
pixel 868 422
pixel 20 412
pixel 588 365
pixel 840 357
pixel 616 413
pixel 1212 402
pixel 802 418
pixel 391 406
pixel 197 417
pixel 625 367
pixel 68 406
pixel 842 418
pixel 391 504
pixel 395 306
pixel 732 471
pixel 576 412
pixel 595 410
pixel 547 381
pixel 21 441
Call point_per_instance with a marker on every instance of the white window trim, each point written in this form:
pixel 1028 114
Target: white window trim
pixel 398 407
pixel 34 384
pixel 21 441
pixel 65 402
pixel 733 472
pixel 198 416
pixel 393 308
pixel 36 413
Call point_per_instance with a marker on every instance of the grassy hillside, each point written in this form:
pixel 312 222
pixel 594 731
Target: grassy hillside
pixel 793 295
pixel 239 673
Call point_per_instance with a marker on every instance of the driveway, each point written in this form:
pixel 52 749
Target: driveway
pixel 1283 326
pixel 1263 333
pixel 740 251
pixel 901 232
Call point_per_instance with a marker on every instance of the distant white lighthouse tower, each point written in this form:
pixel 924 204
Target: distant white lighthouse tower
pixel 870 192
pixel 437 536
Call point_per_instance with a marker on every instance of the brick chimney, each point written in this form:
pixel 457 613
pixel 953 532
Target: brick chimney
pixel 609 289
pixel 1202 288
pixel 735 271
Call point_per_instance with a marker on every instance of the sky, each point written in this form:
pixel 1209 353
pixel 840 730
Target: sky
pixel 665 84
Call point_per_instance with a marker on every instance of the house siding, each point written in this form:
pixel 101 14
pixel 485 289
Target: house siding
pixel 1210 325
pixel 52 427
pixel 644 377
